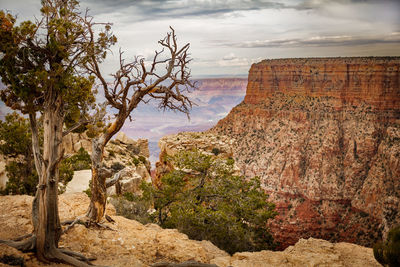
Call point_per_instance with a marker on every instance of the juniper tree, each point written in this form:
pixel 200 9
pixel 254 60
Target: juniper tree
pixel 203 198
pixel 41 66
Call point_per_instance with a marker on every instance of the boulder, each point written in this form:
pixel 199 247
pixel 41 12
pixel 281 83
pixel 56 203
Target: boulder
pixel 121 137
pixel 80 181
pixel 306 252
pixel 130 181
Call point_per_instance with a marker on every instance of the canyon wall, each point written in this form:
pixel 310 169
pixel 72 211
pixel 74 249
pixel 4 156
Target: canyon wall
pixel 374 80
pixel 324 136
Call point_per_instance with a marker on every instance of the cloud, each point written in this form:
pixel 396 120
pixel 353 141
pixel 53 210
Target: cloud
pixel 158 9
pixel 230 56
pixel 315 4
pixel 231 60
pixel 362 10
pixel 308 27
pixel 319 41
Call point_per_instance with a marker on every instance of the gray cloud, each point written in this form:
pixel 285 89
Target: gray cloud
pixel 318 41
pixel 147 9
pixel 267 28
pixel 315 4
pixel 151 9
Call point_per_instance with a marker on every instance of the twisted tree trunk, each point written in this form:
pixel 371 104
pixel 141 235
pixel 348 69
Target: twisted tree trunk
pixel 48 228
pixel 45 218
pixel 99 184
pixel 98 188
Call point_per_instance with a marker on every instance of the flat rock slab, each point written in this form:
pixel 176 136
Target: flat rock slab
pixel 80 181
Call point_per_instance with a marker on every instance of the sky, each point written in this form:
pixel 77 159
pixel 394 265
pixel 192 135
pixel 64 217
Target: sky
pixel 227 36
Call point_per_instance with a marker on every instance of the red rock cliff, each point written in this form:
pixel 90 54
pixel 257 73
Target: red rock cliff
pixel 373 80
pixel 324 136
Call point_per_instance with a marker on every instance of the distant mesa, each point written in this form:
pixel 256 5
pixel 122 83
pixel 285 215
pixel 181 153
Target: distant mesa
pixel 373 80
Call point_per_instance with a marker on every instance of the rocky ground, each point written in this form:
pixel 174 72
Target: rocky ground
pixel 133 244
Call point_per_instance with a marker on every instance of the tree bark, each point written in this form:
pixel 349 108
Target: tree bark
pixel 98 188
pixel 47 227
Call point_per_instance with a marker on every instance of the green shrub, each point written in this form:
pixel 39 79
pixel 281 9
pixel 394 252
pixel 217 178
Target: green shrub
pixel 135 161
pixel 134 208
pixel 111 153
pixel 129 196
pixel 21 179
pixel 66 172
pixel 388 252
pixel 142 159
pixel 79 161
pixel 213 204
pixel 215 151
pixel 16 143
pixel 88 192
pixel 117 166
pixel 230 161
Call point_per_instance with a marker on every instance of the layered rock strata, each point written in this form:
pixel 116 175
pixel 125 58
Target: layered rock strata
pixel 324 136
pixel 372 80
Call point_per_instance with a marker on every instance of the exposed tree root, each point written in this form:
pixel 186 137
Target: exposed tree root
pixel 77 255
pixel 103 226
pixel 22 237
pixel 27 243
pixel 54 255
pixel 183 264
pixel 69 257
pixel 109 219
pixel 22 245
pixel 71 223
pixel 87 223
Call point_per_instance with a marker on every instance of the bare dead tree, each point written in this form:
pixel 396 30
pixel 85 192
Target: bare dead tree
pixel 165 79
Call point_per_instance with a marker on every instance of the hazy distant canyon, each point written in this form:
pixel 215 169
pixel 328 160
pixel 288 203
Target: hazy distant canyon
pixel 214 99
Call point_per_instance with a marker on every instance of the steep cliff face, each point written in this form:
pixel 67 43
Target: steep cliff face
pixel 324 136
pixel 374 80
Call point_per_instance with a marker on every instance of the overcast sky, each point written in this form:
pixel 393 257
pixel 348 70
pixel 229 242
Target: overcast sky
pixel 227 36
